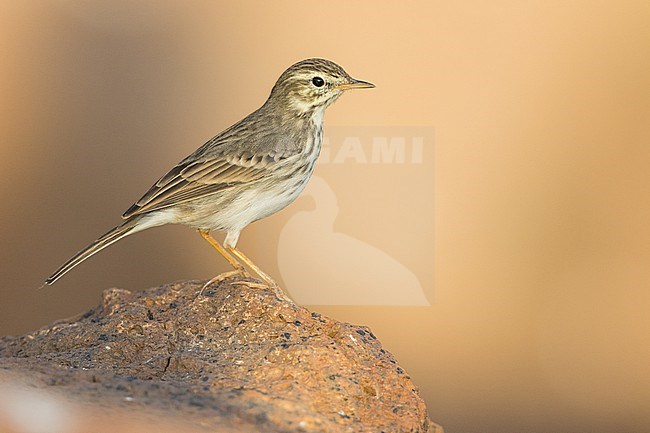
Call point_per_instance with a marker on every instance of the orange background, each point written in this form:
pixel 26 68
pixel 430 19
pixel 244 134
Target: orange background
pixel 539 207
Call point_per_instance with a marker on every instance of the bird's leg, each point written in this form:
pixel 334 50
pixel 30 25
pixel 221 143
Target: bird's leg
pixel 239 268
pixel 267 279
pixel 235 264
pixel 241 256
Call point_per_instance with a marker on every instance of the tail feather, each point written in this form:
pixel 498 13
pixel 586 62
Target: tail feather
pixel 128 227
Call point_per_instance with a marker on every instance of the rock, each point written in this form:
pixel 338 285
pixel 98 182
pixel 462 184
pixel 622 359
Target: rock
pixel 237 358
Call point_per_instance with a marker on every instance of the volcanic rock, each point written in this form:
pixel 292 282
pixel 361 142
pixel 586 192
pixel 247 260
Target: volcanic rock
pixel 237 358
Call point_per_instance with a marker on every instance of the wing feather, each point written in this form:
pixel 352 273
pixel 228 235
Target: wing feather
pixel 192 180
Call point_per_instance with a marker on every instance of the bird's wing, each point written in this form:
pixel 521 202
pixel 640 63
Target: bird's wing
pixel 195 178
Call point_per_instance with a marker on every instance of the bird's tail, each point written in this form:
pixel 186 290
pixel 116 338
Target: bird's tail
pixel 126 228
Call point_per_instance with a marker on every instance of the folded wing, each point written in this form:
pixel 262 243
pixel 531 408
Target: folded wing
pixel 195 179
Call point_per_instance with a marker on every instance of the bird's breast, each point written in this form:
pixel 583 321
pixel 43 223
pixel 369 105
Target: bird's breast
pixel 313 143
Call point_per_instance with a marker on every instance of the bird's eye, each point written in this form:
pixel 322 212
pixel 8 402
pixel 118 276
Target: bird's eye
pixel 318 81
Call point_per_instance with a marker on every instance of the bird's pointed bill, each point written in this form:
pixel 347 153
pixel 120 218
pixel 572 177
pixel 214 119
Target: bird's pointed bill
pixel 355 84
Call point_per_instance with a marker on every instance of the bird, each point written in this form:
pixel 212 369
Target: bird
pixel 249 171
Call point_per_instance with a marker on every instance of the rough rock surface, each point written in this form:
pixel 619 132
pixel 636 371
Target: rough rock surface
pixel 237 358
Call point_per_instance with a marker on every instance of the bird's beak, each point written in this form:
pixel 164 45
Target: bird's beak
pixel 354 84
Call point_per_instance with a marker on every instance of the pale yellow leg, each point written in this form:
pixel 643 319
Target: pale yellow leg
pixel 235 264
pixel 239 268
pixel 241 256
pixel 267 279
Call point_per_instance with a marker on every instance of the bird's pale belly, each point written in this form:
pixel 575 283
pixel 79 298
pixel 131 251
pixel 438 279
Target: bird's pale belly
pixel 260 204
pixel 226 211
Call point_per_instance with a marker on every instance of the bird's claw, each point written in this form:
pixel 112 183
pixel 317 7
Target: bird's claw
pixel 277 290
pixel 221 277
pixel 251 284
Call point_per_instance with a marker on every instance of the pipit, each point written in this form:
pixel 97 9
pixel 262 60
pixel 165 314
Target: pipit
pixel 251 170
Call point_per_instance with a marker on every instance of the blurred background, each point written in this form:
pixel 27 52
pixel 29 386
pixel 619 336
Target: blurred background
pixel 521 231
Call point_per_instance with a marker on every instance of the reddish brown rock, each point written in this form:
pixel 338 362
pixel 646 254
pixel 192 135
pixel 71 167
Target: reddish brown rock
pixel 237 358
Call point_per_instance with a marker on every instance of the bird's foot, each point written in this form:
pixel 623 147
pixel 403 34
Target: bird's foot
pixel 267 284
pixel 251 284
pixel 221 277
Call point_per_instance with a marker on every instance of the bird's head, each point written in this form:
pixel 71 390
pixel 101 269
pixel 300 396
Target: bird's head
pixel 312 85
